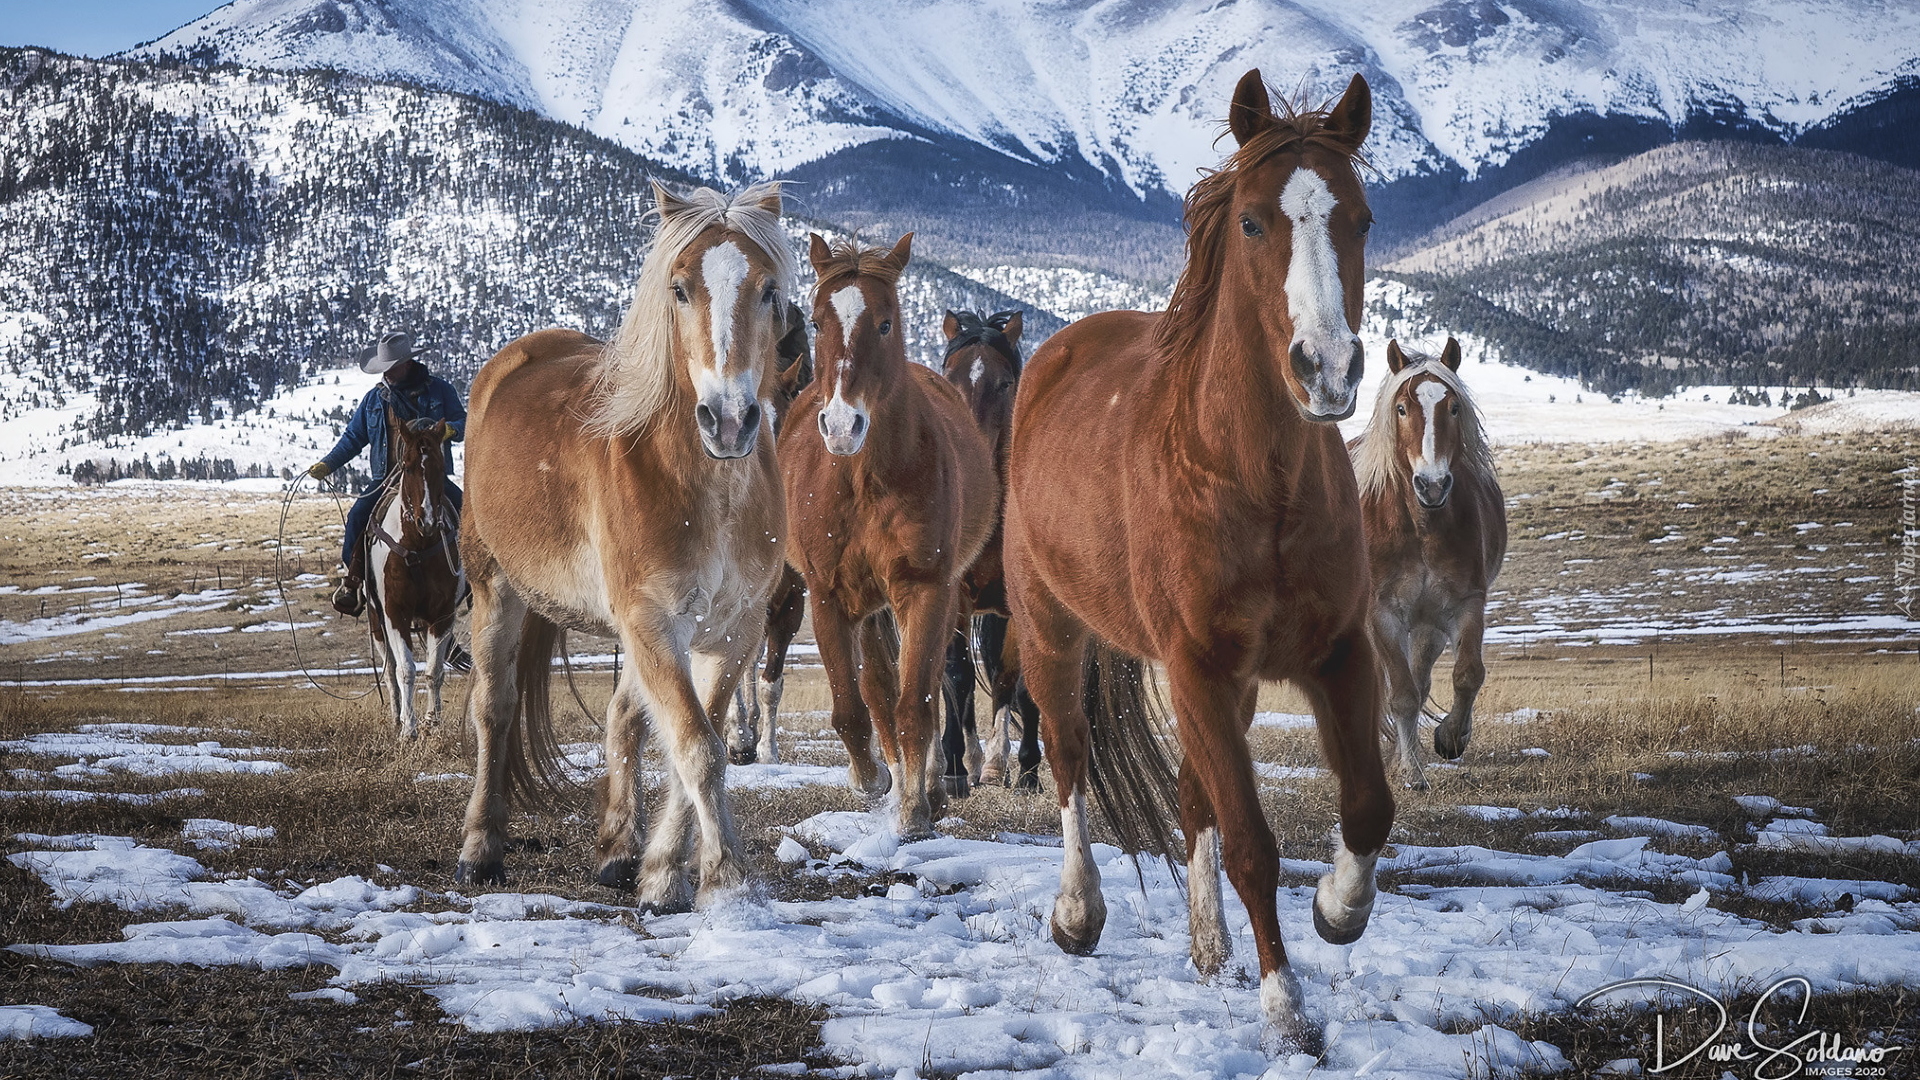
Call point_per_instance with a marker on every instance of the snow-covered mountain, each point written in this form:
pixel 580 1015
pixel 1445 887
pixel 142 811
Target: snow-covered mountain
pixel 1128 90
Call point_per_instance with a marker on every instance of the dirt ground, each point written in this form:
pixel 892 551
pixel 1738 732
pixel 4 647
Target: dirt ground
pixel 1676 623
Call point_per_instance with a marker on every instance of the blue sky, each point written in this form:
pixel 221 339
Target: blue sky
pixel 94 27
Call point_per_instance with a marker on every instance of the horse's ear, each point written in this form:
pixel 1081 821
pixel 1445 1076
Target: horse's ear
pixel 770 202
pixel 1352 117
pixel 950 325
pixel 817 251
pixel 1012 329
pixel 902 251
pixel 664 201
pixel 1251 111
pixel 1450 356
pixel 1395 358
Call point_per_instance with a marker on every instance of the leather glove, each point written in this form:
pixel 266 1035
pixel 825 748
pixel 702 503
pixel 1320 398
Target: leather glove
pixel 320 470
pixel 447 431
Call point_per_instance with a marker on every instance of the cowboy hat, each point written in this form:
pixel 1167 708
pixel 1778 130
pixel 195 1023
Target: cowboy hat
pixel 393 349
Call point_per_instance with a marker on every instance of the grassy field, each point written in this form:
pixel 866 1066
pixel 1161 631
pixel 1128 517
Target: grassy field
pixel 1614 690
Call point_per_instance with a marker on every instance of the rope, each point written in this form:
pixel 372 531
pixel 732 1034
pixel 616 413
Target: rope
pixel 286 602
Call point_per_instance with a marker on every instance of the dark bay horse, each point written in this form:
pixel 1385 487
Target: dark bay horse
pixel 628 489
pixel 756 724
pixel 983 362
pixel 414 558
pixel 1177 491
pixel 891 494
pixel 1436 527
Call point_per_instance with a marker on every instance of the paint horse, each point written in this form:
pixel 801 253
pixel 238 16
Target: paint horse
pixel 983 361
pixel 1178 491
pixel 1436 528
pixel 891 494
pixel 629 489
pixel 413 551
pixel 756 712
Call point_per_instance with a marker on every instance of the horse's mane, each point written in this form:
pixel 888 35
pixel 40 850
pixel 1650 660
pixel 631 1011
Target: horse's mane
pixel 1374 462
pixel 846 260
pixel 988 330
pixel 635 370
pixel 1209 206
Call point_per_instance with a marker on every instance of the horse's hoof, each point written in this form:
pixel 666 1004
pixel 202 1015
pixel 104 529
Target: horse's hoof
pixel 491 872
pixel 1299 1036
pixel 618 875
pixel 956 786
pixel 744 755
pixel 1346 930
pixel 1029 781
pixel 993 776
pixel 1073 944
pixel 1446 743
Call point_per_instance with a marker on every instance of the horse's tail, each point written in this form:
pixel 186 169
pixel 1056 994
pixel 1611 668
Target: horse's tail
pixel 1132 773
pixel 536 776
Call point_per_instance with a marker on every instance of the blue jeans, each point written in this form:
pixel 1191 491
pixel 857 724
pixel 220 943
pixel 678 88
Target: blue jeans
pixel 362 511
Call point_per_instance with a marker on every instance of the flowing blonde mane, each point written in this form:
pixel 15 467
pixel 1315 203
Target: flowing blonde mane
pixel 636 371
pixel 1375 463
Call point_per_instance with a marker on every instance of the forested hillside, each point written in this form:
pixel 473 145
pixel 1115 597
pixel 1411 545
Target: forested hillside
pixel 1697 262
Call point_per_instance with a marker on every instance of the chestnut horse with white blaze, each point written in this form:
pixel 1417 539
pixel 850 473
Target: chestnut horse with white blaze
pixel 629 489
pixel 1436 534
pixel 1178 492
pixel 413 553
pixel 891 494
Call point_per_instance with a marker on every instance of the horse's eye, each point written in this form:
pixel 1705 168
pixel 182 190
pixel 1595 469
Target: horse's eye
pixel 1454 410
pixel 679 292
pixel 1366 225
pixel 1249 226
pixel 768 296
pixel 886 327
pixel 814 324
pixel 1401 409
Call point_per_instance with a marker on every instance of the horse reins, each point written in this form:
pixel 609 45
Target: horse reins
pixel 280 581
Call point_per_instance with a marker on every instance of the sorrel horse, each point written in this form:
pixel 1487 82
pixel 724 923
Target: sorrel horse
pixel 757 708
pixel 1436 527
pixel 890 494
pixel 413 553
pixel 627 489
pixel 1177 492
pixel 983 362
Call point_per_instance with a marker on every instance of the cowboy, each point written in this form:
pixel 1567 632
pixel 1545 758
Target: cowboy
pixel 423 401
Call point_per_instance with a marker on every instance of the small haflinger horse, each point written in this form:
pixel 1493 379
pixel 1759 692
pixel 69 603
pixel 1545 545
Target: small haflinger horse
pixel 629 489
pixel 890 495
pixel 1178 491
pixel 756 708
pixel 414 581
pixel 983 362
pixel 1436 527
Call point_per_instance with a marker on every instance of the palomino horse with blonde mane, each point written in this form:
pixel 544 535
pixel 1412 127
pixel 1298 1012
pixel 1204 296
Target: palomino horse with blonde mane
pixel 1177 491
pixel 629 490
pixel 412 548
pixel 983 362
pixel 891 495
pixel 1436 534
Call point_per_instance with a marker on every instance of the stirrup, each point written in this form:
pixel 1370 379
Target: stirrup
pixel 347 599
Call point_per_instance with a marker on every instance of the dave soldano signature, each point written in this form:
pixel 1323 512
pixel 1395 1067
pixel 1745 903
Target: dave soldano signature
pixel 1769 1061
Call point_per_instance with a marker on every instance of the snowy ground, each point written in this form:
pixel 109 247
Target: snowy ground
pixel 950 967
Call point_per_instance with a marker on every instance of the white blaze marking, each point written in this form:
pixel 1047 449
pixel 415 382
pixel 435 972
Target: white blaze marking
pixel 1314 295
pixel 724 268
pixel 848 303
pixel 1430 394
pixel 979 369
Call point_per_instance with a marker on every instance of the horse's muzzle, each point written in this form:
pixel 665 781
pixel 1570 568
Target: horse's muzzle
pixel 1432 491
pixel 1333 389
pixel 843 428
pixel 727 432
